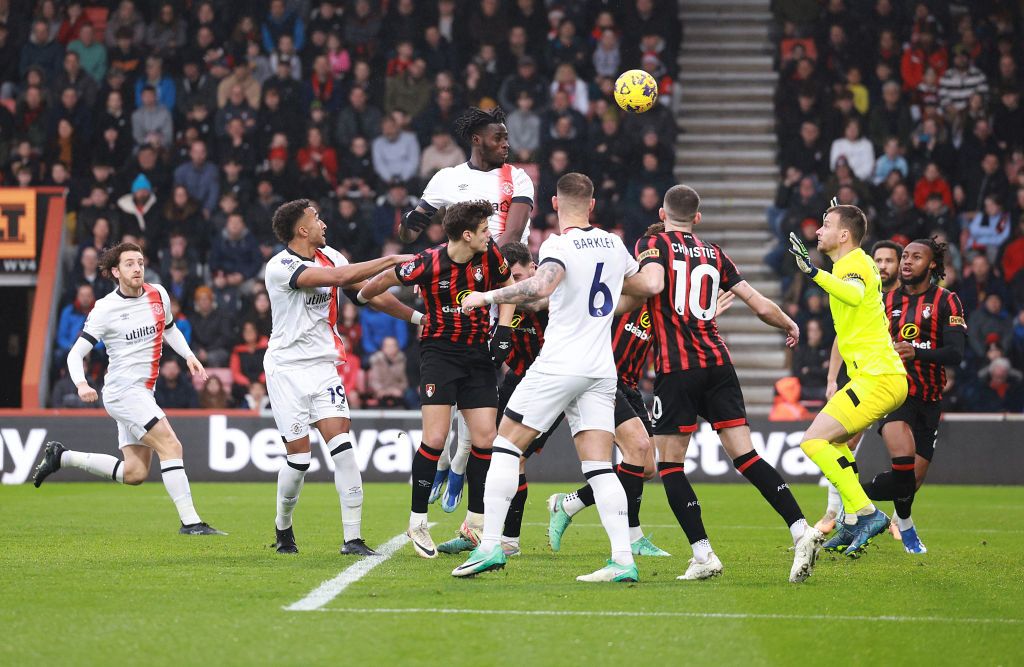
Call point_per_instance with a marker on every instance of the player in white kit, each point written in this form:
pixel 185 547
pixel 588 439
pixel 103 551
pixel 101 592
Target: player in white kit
pixel 133 322
pixel 485 176
pixel 302 360
pixel 582 271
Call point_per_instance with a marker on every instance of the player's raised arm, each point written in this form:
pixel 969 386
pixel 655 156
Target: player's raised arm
pixel 377 286
pixel 849 289
pixel 540 285
pixel 386 303
pixel 768 311
pixel 413 224
pixel 345 275
pixel 515 223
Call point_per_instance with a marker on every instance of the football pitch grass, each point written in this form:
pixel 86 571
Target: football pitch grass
pixel 93 573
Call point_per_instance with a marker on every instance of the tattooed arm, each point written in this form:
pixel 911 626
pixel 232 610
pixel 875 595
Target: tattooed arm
pixel 535 306
pixel 538 286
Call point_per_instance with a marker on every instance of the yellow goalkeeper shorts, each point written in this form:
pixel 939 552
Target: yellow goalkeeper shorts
pixel 865 399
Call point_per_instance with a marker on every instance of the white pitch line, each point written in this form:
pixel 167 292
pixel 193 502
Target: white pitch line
pixel 682 614
pixel 332 588
pixel 776 529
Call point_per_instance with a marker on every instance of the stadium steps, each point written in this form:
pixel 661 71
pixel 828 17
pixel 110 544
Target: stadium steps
pixel 726 151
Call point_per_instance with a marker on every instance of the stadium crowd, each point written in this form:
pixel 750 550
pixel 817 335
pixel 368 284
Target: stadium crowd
pixel 912 111
pixel 182 125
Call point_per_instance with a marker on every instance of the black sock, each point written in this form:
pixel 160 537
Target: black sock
pixel 632 478
pixel 882 487
pixel 514 518
pixel 586 495
pixel 904 484
pixel 476 475
pixel 771 485
pixel 682 500
pixel 424 465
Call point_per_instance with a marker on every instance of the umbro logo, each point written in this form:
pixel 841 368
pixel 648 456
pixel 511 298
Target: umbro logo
pixel 443 284
pixel 897 312
pixel 125 316
pixel 463 187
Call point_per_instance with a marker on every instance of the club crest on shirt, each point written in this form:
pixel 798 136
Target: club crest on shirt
pixel 506 188
pixel 927 312
pixel 158 309
pixel 429 390
pixel 478 274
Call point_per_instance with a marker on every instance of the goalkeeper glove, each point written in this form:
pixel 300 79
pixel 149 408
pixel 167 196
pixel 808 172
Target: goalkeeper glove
pixel 803 258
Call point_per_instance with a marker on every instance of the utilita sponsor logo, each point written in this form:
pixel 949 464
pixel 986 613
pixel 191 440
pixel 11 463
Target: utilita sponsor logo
pixel 232 449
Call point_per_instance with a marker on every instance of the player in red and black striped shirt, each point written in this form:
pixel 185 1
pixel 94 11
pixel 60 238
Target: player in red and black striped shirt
pixel 695 377
pixel 456 366
pixel 929 331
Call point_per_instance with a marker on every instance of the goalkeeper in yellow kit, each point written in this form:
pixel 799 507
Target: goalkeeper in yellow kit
pixel 878 379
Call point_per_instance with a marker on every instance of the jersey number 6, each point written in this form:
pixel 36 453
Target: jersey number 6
pixel 599 288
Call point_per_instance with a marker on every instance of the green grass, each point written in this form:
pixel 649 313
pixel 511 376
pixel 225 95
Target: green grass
pixel 95 574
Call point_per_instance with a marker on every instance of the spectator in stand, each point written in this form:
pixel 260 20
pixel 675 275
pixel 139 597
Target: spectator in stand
pixel 200 178
pixel 524 126
pixel 180 282
pixel 211 330
pixel 525 79
pixel 786 405
pixel 213 396
pixel 318 156
pixel 386 380
pixel 999 388
pixel 139 212
pixel 151 122
pixel 961 81
pixel 358 119
pixel 128 19
pixel 241 77
pixel 891 118
pixel 922 52
pixel 891 160
pixel 391 209
pixel 259 313
pixel 1008 120
pixel 980 182
pixel 71 321
pixel 408 91
pixel 87 273
pixel 441 153
pixel 810 363
pixel 41 50
pixel 282 21
pixel 173 391
pixel 247 360
pixel 181 321
pixel 857 150
pixel 566 81
pixel 932 182
pixel 807 154
pixel 396 153
pixel 1013 253
pixel 235 258
pixel 256 399
pixel 350 328
pixel 989 228
pixel 939 218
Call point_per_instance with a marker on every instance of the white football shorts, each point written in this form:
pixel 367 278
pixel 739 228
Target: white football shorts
pixel 135 411
pixel 588 403
pixel 303 396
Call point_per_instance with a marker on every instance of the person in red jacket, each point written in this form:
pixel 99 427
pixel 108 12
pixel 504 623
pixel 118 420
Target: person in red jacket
pixel 932 182
pixel 322 157
pixel 247 360
pixel 917 56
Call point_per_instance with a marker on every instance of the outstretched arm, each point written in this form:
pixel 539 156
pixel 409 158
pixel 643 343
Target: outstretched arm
pixel 538 286
pixel 646 282
pixel 377 285
pixel 768 311
pixel 849 290
pixel 345 275
pixel 515 223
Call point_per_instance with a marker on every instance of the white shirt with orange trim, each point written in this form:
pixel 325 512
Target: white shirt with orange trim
pixel 501 187
pixel 132 330
pixel 304 321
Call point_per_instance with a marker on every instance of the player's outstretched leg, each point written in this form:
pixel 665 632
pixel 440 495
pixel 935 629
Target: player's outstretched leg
pixel 172 471
pixel 349 484
pixel 56 456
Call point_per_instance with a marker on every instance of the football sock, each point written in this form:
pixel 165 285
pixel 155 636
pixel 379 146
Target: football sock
pixel 632 479
pixel 835 501
pixel 611 506
pixel 502 482
pixel 349 484
pixel 176 483
pixel 838 466
pixel 881 487
pixel 702 550
pixel 578 499
pixel 476 475
pixel 101 465
pixel 289 484
pixel 905 485
pixel 461 456
pixel 904 524
pixel 797 528
pixel 683 501
pixel 514 518
pixel 424 465
pixel 771 485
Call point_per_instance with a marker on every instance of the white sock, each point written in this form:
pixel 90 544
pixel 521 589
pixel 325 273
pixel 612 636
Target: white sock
pixel 572 504
pixel 176 483
pixel 904 524
pixel 101 465
pixel 797 529
pixel 610 499
pixel 349 484
pixel 835 501
pixel 289 484
pixel 499 488
pixel 445 462
pixel 474 520
pixel 849 519
pixel 701 550
pixel 865 511
pixel 464 444
pixel 416 518
pixel 635 533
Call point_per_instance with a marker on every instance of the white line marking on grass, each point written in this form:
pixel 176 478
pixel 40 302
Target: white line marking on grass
pixel 776 529
pixel 332 588
pixel 682 614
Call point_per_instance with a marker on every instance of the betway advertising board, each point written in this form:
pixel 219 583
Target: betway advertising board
pixel 242 447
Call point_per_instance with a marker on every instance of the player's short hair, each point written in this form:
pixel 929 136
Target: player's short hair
pixel 517 253
pixel 112 257
pixel 575 186
pixel 681 203
pixel 286 217
pixel 475 119
pixel 938 256
pixel 852 219
pixel 465 216
pixel 887 245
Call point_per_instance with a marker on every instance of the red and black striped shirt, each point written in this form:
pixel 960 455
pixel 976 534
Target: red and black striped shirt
pixel 922 321
pixel 685 332
pixel 527 339
pixel 632 336
pixel 444 283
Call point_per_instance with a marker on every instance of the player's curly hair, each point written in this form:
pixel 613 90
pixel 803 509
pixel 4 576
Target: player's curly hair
pixel 286 217
pixel 656 228
pixel 111 257
pixel 938 256
pixel 475 119
pixel 517 253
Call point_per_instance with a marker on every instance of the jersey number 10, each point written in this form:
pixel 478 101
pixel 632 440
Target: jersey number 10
pixel 688 289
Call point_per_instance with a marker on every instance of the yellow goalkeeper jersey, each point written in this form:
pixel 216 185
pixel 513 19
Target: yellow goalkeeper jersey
pixel 858 311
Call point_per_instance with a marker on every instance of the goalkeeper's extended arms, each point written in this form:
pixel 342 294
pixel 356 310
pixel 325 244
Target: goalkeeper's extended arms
pixel 850 291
